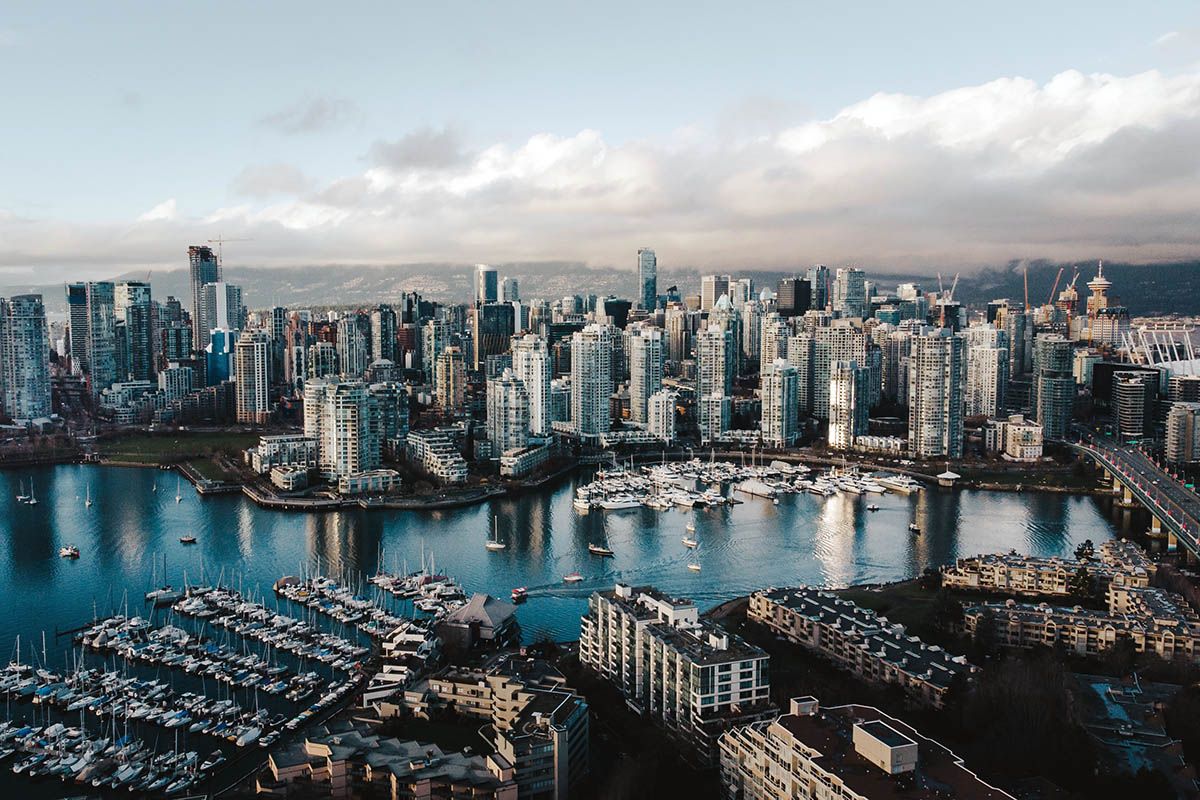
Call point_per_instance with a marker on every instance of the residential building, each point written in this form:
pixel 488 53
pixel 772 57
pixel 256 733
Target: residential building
pixel 133 308
pixel 849 388
pixel 774 334
pixel 1183 433
pixel 714 413
pixel 645 371
pixel 532 367
pixel 1054 383
pixel 779 388
pixel 372 481
pixel 221 307
pixel 935 395
pixel 451 380
pixel 24 358
pixel 660 415
pixel 1134 399
pixel 591 380
pixel 714 374
pixel 987 371
pixel 252 360
pixel 850 293
pixel 176 381
pixel 847 752
pixel 338 414
pixel 1030 576
pixel 435 452
pixel 284 450
pixel 1015 437
pixel 507 413
pixel 203 269
pixel 353 345
pixel 858 640
pixel 688 675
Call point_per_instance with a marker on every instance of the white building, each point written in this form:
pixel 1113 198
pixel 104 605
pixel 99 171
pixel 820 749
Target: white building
pixel 1183 433
pixel 591 380
pixel 1017 438
pixel 507 413
pixel 353 347
pixel 779 386
pixel 936 374
pixel 434 451
pixel 848 413
pixel 660 412
pixel 532 367
pixel 987 370
pixel 176 381
pixel 714 376
pixel 285 450
pixel 774 338
pixel 339 414
pixel 251 360
pixel 850 292
pixel 715 415
pixel 645 371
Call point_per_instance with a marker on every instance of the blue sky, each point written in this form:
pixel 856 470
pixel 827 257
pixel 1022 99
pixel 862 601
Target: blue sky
pixel 248 117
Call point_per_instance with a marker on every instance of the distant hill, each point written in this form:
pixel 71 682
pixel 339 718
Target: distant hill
pixel 1147 289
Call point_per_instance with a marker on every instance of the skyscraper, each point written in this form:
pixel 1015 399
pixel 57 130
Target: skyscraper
pixel 818 280
pixel 793 297
pixel 1054 384
pixel 850 292
pixel 133 306
pixel 383 333
pixel 531 366
pixel 77 319
pixel 774 336
pixel 812 353
pixel 251 357
pixel 24 358
pixel 712 287
pixel 778 386
pixel 203 269
pixel 451 379
pixel 221 307
pixel 493 327
pixel 435 336
pixel 486 284
pixel 101 341
pixel 935 395
pixel 714 375
pixel 987 370
pixel 660 413
pixel 848 413
pixel 647 279
pixel 645 371
pixel 339 415
pixel 591 380
pixel 352 347
pixel 507 413
pixel 510 290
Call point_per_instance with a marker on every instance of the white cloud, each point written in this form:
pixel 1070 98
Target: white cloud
pixel 1082 166
pixel 163 212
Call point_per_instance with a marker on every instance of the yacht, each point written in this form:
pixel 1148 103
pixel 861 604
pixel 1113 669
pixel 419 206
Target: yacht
pixel 188 539
pixel 68 551
pixel 690 542
pixel 620 502
pixel 493 543
pixel 899 483
pixel 694 566
pixel 572 577
pixel 598 550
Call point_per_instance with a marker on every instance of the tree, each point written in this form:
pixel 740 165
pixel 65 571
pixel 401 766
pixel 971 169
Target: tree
pixel 1086 551
pixel 1122 656
pixel 947 612
pixel 1080 585
pixel 930 580
pixel 985 632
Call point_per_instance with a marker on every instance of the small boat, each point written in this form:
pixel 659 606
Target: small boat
pixel 691 526
pixel 32 499
pixel 914 527
pixel 68 551
pixel 872 507
pixel 215 759
pixel 598 550
pixel 493 543
pixel 520 594
pixel 694 566
pixel 572 577
pixel 178 493
pixel 163 596
pixel 154 487
pixel 21 496
pixel 87 503
pixel 189 539
pixel 690 542
pixel 775 501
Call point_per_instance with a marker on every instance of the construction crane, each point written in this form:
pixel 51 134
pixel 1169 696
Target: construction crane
pixel 953 286
pixel 1027 287
pixel 1053 288
pixel 219 241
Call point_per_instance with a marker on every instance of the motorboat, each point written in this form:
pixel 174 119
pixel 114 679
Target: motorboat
pixel 68 551
pixel 598 550
pixel 188 539
pixel 694 566
pixel 572 577
pixel 520 594
pixel 690 542
pixel 914 527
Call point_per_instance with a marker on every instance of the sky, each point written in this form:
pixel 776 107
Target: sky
pixel 725 135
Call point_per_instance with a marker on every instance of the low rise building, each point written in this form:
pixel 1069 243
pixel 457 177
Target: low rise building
pixel 524 461
pixel 860 641
pixel 482 621
pixel 1016 438
pixel 289 479
pixel 288 450
pixel 692 677
pixel 843 753
pixel 373 481
pixel 1012 573
pixel 435 452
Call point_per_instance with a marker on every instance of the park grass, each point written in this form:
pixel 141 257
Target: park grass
pixel 904 602
pixel 174 447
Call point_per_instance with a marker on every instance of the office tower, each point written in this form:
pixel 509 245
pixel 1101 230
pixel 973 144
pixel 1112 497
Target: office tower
pixel 132 306
pixel 774 336
pixel 486 289
pixel 352 347
pixel 779 386
pixel 645 371
pixel 713 287
pixel 591 380
pixel 218 356
pixel 688 674
pixel 818 281
pixel 203 269
pixel 614 311
pixel 339 415
pixel 987 371
pixel 936 373
pixel 660 415
pixel 751 331
pixel 680 324
pixel 492 330
pixel 848 414
pixel 740 291
pixel 1134 397
pixel 812 353
pixel 435 336
pixel 24 358
pixel 322 359
pixel 510 290
pixel 383 333
pixel 531 365
pixel 101 344
pixel 794 297
pixel 176 381
pixel 647 279
pixel 450 379
pixel 850 292
pixel 1183 433
pixel 252 359
pixel 221 307
pixel 507 413
pixel 1014 322
pixel 77 322
pixel 1054 384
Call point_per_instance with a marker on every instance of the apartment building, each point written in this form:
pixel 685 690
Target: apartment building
pixel 1012 573
pixel 842 753
pixel 691 676
pixel 435 452
pixel 860 641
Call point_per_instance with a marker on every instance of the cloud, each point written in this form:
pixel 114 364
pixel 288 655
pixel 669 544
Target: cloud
pixel 426 148
pixel 1081 166
pixel 266 180
pixel 163 212
pixel 311 115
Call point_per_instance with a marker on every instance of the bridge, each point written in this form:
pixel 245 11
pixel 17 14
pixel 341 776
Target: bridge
pixel 1174 508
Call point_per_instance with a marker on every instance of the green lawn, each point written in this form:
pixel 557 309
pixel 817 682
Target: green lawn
pixel 904 602
pixel 172 447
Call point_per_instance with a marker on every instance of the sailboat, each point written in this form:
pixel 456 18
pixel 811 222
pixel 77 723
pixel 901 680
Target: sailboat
pixel 21 496
pixel 32 499
pixel 87 502
pixel 178 494
pixel 599 550
pixel 493 543
pixel 691 541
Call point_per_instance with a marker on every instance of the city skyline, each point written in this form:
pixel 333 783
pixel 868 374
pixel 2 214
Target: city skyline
pixel 720 153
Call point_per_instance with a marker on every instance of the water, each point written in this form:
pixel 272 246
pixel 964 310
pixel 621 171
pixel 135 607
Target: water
pixel 804 539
